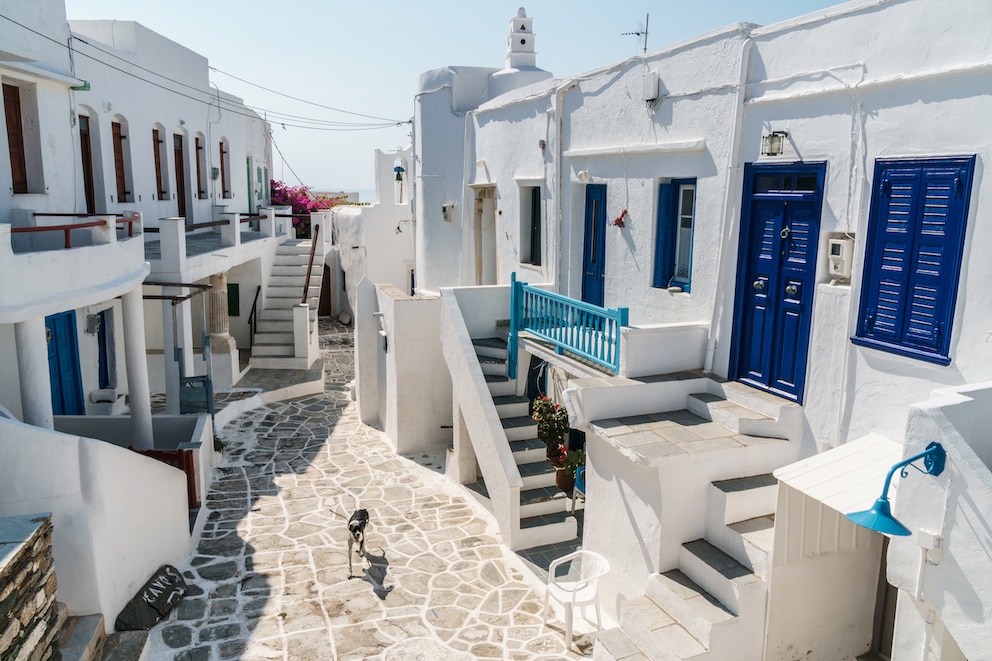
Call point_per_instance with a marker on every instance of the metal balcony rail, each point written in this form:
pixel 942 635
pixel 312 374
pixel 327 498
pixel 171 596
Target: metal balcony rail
pixel 66 229
pixel 587 331
pixel 313 249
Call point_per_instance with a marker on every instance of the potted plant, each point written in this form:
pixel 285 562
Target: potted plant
pixel 565 476
pixel 552 428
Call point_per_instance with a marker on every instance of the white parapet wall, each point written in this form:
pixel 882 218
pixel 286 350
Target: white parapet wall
pixel 662 348
pixel 117 516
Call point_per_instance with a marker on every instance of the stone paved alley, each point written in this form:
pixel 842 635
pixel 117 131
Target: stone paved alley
pixel 269 576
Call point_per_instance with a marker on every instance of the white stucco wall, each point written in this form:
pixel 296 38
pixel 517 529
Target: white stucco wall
pixel 117 516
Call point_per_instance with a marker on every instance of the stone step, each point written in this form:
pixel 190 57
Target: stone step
pixel 655 632
pixel 742 498
pixel 787 413
pixel 273 339
pixel 695 609
pixel 500 384
pixel 81 637
pixel 490 365
pixel 294 291
pixel 293 271
pixel 536 475
pixel 543 501
pixel 546 529
pixel 511 406
pixel 280 350
pixel 288 303
pixel 750 542
pixel 615 645
pixel 528 451
pixel 125 646
pixel 282 314
pixel 519 428
pixel 731 415
pixel 279 363
pixel 291 259
pixel 719 574
pixel 490 346
pixel 277 326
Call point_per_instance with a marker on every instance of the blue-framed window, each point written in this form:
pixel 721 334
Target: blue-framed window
pixel 673 238
pixel 916 230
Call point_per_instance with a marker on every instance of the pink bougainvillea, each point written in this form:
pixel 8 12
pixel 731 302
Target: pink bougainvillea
pixel 303 202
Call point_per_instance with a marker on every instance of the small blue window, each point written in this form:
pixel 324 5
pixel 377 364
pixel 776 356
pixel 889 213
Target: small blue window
pixel 916 230
pixel 673 239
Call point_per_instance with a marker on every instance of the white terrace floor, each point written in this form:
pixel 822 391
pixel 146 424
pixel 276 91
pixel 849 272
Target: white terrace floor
pixel 269 576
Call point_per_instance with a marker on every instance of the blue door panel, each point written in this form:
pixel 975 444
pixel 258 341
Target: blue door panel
pixel 594 245
pixel 63 364
pixel 776 278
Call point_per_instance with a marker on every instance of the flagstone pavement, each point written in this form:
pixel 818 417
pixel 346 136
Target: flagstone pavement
pixel 269 576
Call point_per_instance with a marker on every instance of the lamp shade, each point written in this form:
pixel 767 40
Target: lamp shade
pixel 879 518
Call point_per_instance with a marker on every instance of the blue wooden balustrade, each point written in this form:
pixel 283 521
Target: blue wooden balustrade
pixel 588 331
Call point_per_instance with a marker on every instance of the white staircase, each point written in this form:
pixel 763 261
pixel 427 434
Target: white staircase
pixel 544 517
pixel 274 345
pixel 712 604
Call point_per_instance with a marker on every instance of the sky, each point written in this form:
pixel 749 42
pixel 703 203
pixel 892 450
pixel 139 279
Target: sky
pixel 366 57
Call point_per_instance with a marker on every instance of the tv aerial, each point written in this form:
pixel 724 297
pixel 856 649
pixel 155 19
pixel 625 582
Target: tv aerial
pixel 641 32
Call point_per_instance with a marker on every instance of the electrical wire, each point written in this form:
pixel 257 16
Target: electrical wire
pixel 310 123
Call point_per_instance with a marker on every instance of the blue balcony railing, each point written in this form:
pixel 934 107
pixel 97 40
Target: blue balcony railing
pixel 585 330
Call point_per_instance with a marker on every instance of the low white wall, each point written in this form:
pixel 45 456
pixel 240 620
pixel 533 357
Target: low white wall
pixel 662 348
pixel 612 397
pixel 955 580
pixel 117 516
pixel 482 307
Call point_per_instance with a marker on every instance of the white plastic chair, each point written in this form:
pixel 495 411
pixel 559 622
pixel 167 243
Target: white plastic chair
pixel 576 589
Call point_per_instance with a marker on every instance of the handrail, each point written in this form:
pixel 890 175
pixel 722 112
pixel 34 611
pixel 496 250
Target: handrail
pixel 63 228
pixel 212 223
pixel 588 331
pixel 130 221
pixel 253 318
pixel 248 219
pixel 313 249
pixel 73 215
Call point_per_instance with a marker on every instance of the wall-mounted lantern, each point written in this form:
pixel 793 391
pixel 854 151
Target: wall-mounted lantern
pixel 773 144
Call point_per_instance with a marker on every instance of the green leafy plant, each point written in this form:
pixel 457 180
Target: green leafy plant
pixel 552 426
pixel 574 459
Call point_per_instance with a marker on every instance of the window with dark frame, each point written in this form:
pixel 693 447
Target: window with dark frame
pixel 224 184
pixel 123 194
pixel 913 253
pixel 530 225
pixel 673 238
pixel 201 190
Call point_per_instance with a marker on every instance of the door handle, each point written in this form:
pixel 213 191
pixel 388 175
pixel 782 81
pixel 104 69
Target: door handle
pixel 758 284
pixel 791 290
pixel 786 231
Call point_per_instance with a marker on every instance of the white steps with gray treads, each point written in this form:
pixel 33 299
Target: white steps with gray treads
pixel 712 605
pixel 273 346
pixel 544 508
pixel 82 638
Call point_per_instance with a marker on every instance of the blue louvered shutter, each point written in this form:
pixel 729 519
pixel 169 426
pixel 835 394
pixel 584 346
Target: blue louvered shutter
pixel 884 304
pixel 664 247
pixel 913 258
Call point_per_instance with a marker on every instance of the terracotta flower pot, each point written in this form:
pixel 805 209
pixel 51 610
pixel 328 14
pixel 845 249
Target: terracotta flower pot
pixel 565 480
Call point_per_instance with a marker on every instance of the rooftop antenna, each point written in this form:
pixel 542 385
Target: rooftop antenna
pixel 639 33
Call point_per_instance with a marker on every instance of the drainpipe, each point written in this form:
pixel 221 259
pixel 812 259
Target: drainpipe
pixel 730 211
pixel 557 277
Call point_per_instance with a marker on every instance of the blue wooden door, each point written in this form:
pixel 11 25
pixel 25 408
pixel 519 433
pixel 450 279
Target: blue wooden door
pixel 776 276
pixel 63 364
pixel 594 245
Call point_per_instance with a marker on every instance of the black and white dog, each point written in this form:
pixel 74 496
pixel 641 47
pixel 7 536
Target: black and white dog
pixel 356 534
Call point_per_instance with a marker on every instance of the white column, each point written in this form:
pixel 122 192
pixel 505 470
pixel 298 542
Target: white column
pixel 223 349
pixel 181 325
pixel 36 383
pixel 137 370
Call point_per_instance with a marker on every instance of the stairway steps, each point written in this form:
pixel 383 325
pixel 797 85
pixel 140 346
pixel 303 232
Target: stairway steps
pixel 536 475
pixel 269 337
pixel 528 451
pixel 125 646
pixel 543 501
pixel 656 633
pixel 718 573
pixel 491 365
pixel 615 645
pixel 744 497
pixel 691 606
pixel 511 406
pixel 491 347
pixel 81 637
pixel 519 428
pixel 275 326
pixel 282 314
pixel 273 350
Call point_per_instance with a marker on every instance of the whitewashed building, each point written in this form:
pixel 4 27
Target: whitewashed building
pixel 763 248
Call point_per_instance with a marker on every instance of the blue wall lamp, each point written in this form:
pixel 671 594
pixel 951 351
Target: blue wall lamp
pixel 879 517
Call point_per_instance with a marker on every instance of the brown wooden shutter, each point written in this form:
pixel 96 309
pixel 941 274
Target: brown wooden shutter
pixel 156 140
pixel 15 138
pixel 122 192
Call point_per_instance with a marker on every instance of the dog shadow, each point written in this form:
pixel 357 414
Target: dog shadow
pixel 375 574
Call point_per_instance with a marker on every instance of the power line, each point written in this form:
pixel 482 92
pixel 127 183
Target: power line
pixel 323 125
pixel 312 103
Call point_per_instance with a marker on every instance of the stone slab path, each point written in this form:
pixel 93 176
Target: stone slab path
pixel 269 576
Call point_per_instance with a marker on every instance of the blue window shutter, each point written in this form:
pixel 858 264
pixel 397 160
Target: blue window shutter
pixel 664 248
pixel 932 279
pixel 884 302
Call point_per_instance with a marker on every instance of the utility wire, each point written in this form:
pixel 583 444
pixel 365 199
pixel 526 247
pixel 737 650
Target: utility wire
pixel 322 125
